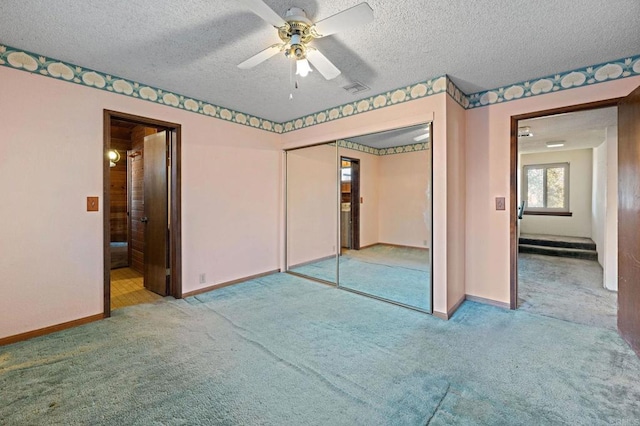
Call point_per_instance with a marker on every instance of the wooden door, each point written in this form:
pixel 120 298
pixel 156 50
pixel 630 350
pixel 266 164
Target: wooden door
pixel 156 213
pixel 355 204
pixel 629 219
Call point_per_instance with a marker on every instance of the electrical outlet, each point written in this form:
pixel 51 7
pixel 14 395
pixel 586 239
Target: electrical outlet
pixel 500 203
pixel 203 278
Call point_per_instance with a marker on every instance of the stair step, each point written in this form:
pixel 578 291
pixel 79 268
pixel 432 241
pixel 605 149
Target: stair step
pixel 572 243
pixel 558 251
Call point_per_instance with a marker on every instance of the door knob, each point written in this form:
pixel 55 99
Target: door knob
pixel 144 219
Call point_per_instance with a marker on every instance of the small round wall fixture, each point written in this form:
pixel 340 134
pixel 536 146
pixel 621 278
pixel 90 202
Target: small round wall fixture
pixel 114 157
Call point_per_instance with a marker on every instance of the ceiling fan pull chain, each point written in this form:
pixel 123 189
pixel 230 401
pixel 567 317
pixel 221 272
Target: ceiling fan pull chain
pixel 291 82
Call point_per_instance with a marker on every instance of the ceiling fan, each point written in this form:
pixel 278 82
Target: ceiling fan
pixel 296 32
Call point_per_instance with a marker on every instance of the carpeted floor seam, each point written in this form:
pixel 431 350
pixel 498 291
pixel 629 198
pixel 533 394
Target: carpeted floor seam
pixel 392 266
pixel 301 369
pixel 444 395
pixel 546 315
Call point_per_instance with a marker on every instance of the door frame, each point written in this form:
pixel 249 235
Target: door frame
pixel 175 194
pixel 513 182
pixel 354 195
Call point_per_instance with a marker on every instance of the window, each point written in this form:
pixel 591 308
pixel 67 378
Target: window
pixel 345 175
pixel 545 188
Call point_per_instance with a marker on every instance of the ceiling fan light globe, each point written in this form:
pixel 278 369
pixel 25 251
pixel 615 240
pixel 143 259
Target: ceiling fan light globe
pixel 302 67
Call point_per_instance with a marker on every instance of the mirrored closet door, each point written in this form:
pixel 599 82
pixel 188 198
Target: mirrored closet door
pixel 359 215
pixel 385 216
pixel 312 214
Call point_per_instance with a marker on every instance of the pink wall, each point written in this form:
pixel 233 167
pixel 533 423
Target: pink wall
pixel 456 204
pixel 51 159
pixel 404 204
pixel 312 209
pixel 487 165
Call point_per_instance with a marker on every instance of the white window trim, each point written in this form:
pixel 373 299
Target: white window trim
pixel 525 186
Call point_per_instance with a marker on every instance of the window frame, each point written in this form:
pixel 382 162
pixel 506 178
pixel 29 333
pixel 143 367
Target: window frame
pixel 564 211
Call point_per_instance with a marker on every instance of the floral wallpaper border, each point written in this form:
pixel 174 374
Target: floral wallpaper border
pixel 606 71
pixel 457 94
pixel 39 64
pixel 383 151
pixel 404 94
pixel 49 67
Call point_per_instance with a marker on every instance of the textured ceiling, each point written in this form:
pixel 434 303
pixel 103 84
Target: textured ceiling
pixel 578 130
pixel 192 47
pixel 393 138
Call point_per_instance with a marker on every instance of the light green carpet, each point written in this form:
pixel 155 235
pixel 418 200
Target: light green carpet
pixel 281 350
pixel 566 288
pixel 400 274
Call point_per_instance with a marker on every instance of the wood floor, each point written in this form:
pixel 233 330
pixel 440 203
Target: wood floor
pixel 127 288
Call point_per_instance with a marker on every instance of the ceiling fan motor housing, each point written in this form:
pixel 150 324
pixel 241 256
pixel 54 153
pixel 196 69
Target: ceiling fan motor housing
pixel 297 31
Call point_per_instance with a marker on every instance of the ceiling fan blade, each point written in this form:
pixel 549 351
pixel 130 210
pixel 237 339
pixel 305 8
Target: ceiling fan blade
pixel 261 9
pixel 261 56
pixel 322 64
pixel 357 15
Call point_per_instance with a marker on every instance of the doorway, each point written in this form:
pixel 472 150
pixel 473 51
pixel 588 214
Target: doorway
pixel 613 267
pixel 350 203
pixel 567 236
pixel 142 259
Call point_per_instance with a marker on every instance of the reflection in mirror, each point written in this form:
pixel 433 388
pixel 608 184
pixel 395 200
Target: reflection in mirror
pixel 312 222
pixel 385 215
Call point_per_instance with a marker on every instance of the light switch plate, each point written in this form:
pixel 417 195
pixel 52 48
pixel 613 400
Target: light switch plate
pixel 92 204
pixel 500 203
